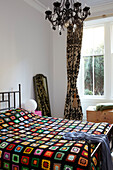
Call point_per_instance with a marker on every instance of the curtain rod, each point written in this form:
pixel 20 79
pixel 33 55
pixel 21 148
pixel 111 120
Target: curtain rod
pixel 99 17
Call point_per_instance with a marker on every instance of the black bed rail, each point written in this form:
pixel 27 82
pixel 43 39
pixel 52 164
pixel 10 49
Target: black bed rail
pixel 8 100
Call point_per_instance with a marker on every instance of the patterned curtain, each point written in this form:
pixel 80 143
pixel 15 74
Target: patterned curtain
pixel 73 109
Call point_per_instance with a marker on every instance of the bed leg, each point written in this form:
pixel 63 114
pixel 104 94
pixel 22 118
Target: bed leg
pixel 89 155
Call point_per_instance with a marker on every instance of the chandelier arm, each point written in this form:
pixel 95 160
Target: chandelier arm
pixel 63 3
pixel 51 19
pixel 71 3
pixel 80 18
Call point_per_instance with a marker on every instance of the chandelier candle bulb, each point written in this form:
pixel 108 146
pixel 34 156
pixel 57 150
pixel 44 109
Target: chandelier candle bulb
pixel 59 28
pixel 48 9
pixel 74 25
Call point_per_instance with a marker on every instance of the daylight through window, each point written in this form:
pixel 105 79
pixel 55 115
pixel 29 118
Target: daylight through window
pixel 93 57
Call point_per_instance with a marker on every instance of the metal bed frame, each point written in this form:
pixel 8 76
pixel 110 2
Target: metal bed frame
pixel 8 100
pixel 90 155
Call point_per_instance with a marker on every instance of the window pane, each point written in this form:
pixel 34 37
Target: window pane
pixel 99 75
pixel 112 39
pixel 93 41
pixel 88 75
pixel 93 52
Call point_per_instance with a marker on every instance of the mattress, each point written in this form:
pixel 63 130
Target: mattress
pixel 31 142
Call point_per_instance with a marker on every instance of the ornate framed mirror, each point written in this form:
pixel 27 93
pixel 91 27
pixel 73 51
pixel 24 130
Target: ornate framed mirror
pixel 42 94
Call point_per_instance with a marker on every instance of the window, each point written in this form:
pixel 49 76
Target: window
pixel 93 61
pixel 111 36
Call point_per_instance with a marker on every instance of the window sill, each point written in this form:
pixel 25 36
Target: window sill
pixel 96 99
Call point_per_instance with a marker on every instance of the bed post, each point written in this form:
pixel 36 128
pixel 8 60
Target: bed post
pixel 19 95
pixel 9 101
pixel 89 155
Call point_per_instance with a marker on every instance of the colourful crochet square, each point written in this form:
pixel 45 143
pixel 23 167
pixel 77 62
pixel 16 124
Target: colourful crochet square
pixel 0 153
pixel 35 162
pixel 7 119
pixel 83 162
pixel 12 117
pixel 68 144
pixel 15 167
pixel 1 121
pixel 6 156
pixel 84 153
pixel 16 121
pixel 10 140
pixel 3 145
pixel 54 148
pixel 94 161
pixel 71 158
pixel 56 166
pixel 59 156
pixel 46 164
pixel 43 146
pixel 10 147
pixel 38 151
pixel 17 115
pixel 17 141
pixel 19 148
pixel 25 160
pixel 25 168
pixel 6 165
pixel 48 154
pixel 75 150
pixel 64 149
pixel 15 158
pixel 67 167
pixel 28 150
pixel 86 147
pixel 45 139
pixel 78 144
pixel 25 143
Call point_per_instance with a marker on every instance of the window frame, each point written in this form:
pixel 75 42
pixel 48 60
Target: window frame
pixel 108 92
pixel 111 52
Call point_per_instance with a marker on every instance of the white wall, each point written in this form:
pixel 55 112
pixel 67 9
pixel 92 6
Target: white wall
pixel 59 73
pixel 25 44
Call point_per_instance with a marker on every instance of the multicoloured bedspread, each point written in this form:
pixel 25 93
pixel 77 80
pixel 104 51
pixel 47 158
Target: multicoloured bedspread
pixel 30 142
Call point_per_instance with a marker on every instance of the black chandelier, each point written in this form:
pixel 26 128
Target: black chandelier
pixel 67 12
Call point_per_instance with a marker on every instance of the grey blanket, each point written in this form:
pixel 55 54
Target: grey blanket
pixel 106 154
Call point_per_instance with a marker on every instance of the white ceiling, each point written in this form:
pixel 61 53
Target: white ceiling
pixel 91 3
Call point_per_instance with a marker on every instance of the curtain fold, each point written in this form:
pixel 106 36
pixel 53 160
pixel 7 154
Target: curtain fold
pixel 73 109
